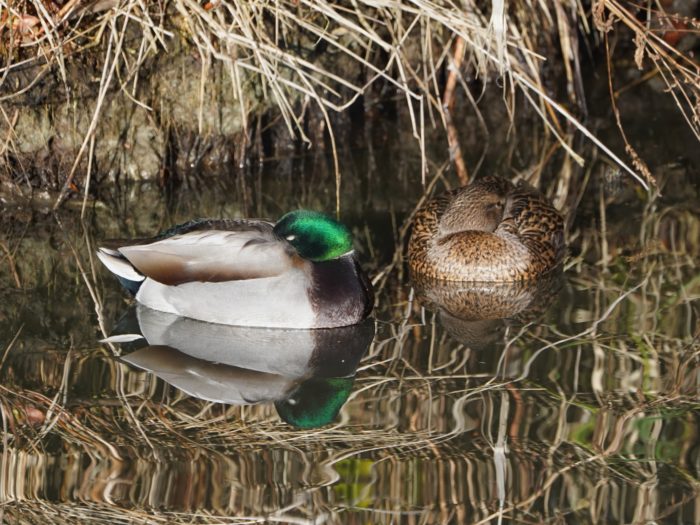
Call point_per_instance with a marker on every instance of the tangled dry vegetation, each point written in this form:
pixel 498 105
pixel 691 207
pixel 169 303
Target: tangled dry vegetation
pixel 311 56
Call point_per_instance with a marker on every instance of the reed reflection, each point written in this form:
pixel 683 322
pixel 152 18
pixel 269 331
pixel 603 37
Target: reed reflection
pixel 307 374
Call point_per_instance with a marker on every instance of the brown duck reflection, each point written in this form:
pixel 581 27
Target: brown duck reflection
pixel 477 313
pixel 308 374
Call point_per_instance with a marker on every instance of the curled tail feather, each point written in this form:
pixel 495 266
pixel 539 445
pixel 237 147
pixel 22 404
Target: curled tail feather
pixel 122 268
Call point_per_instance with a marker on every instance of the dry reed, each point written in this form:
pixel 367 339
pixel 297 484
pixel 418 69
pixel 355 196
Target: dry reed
pixel 299 53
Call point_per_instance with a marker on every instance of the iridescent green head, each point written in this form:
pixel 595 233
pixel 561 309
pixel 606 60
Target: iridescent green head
pixel 315 236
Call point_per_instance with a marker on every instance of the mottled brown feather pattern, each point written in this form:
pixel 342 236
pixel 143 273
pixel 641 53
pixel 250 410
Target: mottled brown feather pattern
pixel 527 241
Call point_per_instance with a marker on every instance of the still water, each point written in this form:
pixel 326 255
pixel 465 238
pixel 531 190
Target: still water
pixel 570 400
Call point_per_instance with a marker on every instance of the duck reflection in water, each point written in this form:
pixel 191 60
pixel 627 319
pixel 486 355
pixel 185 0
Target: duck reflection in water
pixel 308 374
pixel 477 313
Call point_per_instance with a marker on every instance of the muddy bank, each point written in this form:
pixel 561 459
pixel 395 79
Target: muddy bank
pixel 172 114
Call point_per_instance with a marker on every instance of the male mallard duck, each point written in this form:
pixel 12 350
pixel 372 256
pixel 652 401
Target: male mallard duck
pixel 298 273
pixel 490 230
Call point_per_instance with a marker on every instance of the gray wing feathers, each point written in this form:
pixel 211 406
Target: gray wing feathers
pixel 211 256
pixel 118 265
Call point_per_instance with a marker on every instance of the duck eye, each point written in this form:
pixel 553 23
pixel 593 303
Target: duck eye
pixel 290 238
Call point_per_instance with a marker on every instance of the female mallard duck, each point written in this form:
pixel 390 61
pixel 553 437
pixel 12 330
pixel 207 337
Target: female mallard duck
pixel 490 230
pixel 298 273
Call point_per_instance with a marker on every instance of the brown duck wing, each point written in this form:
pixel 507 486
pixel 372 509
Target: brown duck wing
pixel 212 255
pixel 540 227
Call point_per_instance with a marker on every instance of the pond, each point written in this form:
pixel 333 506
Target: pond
pixel 571 400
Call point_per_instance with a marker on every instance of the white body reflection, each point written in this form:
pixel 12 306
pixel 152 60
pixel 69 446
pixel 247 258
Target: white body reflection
pixel 307 373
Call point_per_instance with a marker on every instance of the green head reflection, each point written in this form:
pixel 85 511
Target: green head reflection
pixel 316 402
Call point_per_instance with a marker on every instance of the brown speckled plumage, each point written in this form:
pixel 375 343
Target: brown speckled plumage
pixel 490 230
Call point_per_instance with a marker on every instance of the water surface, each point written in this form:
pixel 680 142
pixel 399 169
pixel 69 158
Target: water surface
pixel 573 401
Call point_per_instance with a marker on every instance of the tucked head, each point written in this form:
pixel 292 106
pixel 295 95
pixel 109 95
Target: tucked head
pixel 478 206
pixel 314 235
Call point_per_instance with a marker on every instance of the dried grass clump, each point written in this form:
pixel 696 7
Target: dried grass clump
pixel 301 52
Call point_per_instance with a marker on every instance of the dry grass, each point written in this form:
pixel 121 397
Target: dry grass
pixel 298 53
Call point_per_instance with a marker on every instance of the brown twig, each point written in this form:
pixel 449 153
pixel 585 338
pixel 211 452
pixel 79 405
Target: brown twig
pixel 448 102
pixel 636 159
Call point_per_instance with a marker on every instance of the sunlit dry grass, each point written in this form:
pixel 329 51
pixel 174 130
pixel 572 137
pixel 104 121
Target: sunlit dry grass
pixel 594 402
pixel 300 53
